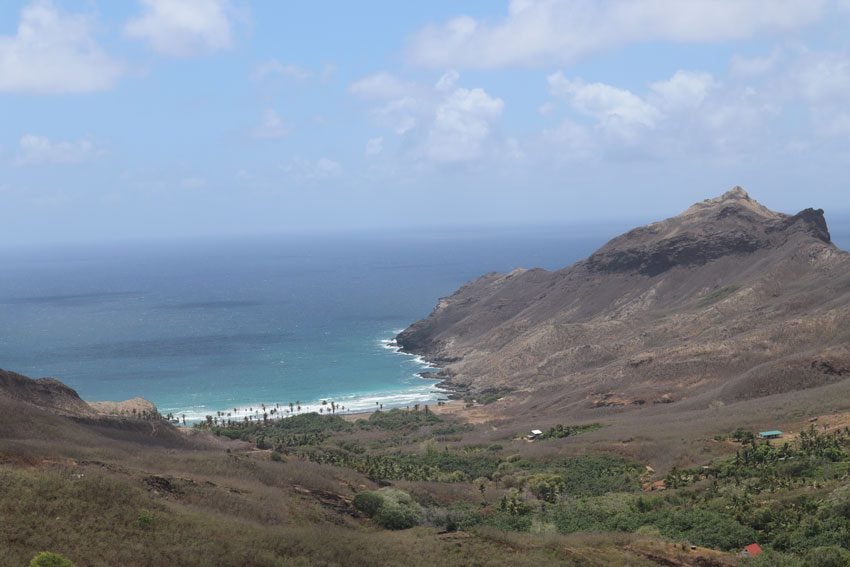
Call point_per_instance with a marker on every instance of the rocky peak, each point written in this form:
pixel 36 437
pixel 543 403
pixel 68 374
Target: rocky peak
pixel 731 224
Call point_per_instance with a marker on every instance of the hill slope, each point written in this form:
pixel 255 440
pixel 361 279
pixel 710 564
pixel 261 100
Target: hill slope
pixel 726 301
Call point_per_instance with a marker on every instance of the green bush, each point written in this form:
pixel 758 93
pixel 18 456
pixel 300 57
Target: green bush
pixel 837 503
pixel 547 487
pixel 832 556
pixel 368 502
pixel 50 559
pixel 560 431
pixel 702 527
pixel 772 558
pixel 146 519
pixel 390 508
pixel 594 475
pixel 399 516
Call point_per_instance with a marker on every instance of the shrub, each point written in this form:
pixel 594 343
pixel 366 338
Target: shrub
pixel 146 519
pixel 390 508
pixel 560 431
pixel 399 511
pixel 838 503
pixel 546 486
pixel 50 559
pixel 832 556
pixel 772 558
pixel 593 475
pixel 368 502
pixel 399 516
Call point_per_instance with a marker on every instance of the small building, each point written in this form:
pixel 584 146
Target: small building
pixel 752 550
pixel 772 434
pixel 535 434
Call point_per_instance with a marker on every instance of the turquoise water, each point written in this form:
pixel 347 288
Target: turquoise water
pixel 206 326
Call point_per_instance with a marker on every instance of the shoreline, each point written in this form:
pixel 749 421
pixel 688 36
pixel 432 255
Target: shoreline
pixel 436 390
pixel 448 407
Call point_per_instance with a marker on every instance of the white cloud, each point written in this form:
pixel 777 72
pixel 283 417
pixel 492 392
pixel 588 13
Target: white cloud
pixel 305 171
pixel 54 52
pixel 447 81
pixel 822 77
pixel 618 112
pixel 375 146
pixel 274 68
pixel 271 127
pixel 753 66
pixel 39 150
pixel 462 126
pixel 441 123
pixel 382 85
pixel 686 114
pixel 183 28
pixel 822 82
pixel 684 90
pixel 563 31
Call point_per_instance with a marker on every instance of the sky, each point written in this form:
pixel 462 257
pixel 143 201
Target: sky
pixel 187 118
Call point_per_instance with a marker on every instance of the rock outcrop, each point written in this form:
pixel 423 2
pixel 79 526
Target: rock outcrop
pixel 45 393
pixel 54 396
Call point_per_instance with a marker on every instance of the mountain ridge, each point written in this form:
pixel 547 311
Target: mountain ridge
pixel 726 300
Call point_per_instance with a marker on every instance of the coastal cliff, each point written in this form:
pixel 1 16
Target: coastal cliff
pixel 728 300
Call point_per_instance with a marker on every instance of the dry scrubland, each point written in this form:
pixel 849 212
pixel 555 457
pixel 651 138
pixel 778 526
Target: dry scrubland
pixel 121 492
pixel 113 490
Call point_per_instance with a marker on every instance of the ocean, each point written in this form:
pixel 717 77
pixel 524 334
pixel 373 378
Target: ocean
pixel 213 325
pixel 204 326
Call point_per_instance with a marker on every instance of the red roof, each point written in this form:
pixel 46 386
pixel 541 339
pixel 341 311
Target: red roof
pixel 753 549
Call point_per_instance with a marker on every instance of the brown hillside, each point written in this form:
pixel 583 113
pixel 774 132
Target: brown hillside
pixel 726 301
pixel 45 393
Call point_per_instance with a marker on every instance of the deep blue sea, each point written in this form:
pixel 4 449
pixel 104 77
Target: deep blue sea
pixel 205 326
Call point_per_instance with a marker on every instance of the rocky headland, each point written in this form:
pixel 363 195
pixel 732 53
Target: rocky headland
pixel 727 301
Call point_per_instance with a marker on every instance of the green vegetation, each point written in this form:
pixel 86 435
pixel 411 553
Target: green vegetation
pixel 50 559
pixel 560 430
pixel 390 508
pixel 488 396
pixel 753 496
pixel 312 478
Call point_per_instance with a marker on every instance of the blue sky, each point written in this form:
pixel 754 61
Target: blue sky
pixel 161 118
